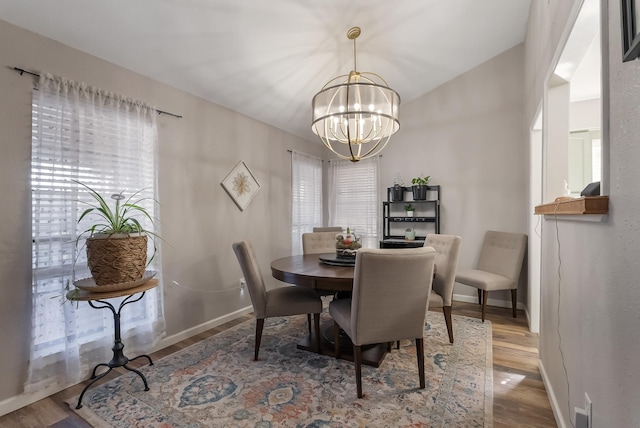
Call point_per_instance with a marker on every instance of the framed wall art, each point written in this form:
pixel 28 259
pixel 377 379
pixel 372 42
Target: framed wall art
pixel 241 185
pixel 630 29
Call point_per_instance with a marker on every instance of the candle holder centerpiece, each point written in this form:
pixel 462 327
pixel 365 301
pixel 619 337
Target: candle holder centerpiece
pixel 347 245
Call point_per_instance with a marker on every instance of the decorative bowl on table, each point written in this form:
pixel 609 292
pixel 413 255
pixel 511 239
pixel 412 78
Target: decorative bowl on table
pixel 347 245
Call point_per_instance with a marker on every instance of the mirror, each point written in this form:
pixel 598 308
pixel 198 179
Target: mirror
pixel 575 152
pixel 585 154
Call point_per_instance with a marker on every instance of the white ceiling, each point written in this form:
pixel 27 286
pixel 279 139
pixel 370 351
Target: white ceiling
pixel 267 58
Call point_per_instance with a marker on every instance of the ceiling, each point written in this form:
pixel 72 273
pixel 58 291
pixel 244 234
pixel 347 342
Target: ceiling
pixel 267 58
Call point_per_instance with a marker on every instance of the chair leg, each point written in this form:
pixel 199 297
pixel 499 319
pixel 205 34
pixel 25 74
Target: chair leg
pixel 447 320
pixel 485 297
pixel 316 327
pixel 420 355
pixel 309 323
pixel 259 327
pixel 514 301
pixel 336 339
pixel 357 359
pixel 479 296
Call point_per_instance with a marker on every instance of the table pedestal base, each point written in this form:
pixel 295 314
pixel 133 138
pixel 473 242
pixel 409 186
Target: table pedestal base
pixel 372 355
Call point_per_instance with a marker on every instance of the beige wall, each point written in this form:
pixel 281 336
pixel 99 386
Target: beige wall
pixel 199 220
pixel 589 293
pixel 468 136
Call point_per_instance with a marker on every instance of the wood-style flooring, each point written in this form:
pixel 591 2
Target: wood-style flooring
pixel 520 399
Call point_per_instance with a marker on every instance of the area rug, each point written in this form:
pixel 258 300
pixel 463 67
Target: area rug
pixel 216 383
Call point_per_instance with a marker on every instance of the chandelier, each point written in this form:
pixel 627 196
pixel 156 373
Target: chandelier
pixel 355 115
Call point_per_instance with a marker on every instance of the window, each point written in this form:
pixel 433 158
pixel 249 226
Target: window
pixel 108 143
pixel 353 200
pixel 306 197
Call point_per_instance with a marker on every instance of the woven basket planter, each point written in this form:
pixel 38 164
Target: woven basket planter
pixel 118 258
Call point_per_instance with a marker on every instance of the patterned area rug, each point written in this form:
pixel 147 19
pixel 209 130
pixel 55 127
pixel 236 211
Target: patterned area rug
pixel 216 383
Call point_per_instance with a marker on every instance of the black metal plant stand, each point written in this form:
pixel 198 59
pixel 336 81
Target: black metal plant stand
pixel 119 359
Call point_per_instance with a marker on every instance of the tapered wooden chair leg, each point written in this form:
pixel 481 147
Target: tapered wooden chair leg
pixel 336 339
pixel 479 296
pixel 309 322
pixel 259 328
pixel 514 301
pixel 485 297
pixel 316 327
pixel 447 320
pixel 420 355
pixel 357 359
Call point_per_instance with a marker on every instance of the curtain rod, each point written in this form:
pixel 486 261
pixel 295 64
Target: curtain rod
pixel 22 71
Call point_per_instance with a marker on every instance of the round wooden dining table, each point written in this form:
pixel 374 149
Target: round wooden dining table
pixel 308 271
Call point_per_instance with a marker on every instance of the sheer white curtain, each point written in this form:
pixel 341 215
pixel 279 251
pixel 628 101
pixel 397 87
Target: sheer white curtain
pixel 109 143
pixel 306 197
pixel 353 197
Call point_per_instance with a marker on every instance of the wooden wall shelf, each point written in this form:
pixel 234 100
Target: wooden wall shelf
pixel 580 206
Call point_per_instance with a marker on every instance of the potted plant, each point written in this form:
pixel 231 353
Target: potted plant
pixel 397 191
pixel 409 234
pixel 420 188
pixel 117 241
pixel 409 209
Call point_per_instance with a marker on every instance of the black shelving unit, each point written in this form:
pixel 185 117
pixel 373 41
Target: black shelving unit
pixel 426 213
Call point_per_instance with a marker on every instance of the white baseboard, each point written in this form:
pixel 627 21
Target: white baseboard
pixel 528 317
pixel 490 302
pixel 557 414
pixel 19 401
pixel 171 340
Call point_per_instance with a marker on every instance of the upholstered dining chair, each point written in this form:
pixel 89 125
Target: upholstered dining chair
pixel 318 242
pixel 277 302
pixel 391 290
pixel 499 267
pixel 447 253
pixel 336 229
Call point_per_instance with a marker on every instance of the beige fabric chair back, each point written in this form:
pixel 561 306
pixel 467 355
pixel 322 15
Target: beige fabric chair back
pixel 391 290
pixel 252 276
pixel 502 253
pixel 336 229
pixel 318 242
pixel 447 254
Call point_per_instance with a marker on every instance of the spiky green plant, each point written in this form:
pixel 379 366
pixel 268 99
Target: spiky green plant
pixel 119 220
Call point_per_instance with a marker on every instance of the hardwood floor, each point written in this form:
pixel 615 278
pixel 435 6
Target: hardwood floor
pixel 519 397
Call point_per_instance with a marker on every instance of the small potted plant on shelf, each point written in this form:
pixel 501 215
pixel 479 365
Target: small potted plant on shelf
pixel 117 241
pixel 409 209
pixel 397 191
pixel 409 234
pixel 420 188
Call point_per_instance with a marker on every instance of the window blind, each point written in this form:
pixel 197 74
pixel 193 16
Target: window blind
pixel 354 200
